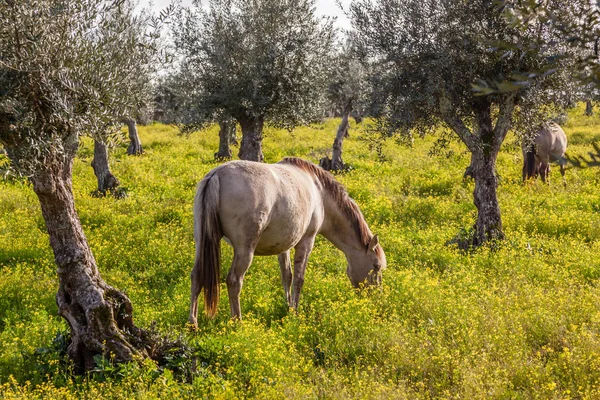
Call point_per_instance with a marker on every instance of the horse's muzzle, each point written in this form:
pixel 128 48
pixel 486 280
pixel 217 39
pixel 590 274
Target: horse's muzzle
pixel 374 278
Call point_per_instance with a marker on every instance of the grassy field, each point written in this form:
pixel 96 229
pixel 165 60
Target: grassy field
pixel 519 320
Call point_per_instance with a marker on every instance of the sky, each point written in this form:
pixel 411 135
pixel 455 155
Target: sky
pixel 324 7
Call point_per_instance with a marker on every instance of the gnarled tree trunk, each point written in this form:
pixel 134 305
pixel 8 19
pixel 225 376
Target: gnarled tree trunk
pixel 99 315
pixel 135 144
pixel 225 138
pixel 251 147
pixel 489 222
pixel 484 145
pixel 233 133
pixel 589 108
pixel 484 152
pixel 336 163
pixel 106 180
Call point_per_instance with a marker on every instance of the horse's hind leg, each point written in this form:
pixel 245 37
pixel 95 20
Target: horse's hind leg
pixel 286 275
pixel 562 170
pixel 195 292
pixel 235 279
pixel 544 170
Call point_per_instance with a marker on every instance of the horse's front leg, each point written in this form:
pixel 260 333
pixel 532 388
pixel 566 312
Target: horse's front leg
pixel 235 279
pixel 303 249
pixel 286 275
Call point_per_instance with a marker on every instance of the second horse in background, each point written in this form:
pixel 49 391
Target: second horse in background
pixel 549 145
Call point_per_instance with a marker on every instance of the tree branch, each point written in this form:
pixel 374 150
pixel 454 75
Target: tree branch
pixel 504 121
pixel 457 124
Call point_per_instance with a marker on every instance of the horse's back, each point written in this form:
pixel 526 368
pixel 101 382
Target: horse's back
pixel 265 206
pixel 551 141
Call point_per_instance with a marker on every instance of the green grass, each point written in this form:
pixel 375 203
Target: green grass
pixel 521 320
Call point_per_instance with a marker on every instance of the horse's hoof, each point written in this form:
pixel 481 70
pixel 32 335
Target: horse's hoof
pixel 192 326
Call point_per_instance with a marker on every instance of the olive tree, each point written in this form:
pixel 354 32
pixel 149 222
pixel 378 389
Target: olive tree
pixel 107 182
pixel 589 107
pixel 171 97
pixel 258 61
pixel 429 53
pixel 347 91
pixel 136 83
pixel 177 103
pixel 144 113
pixel 135 144
pixel 68 69
pixel 227 137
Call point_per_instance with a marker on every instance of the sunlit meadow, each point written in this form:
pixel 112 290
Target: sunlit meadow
pixel 516 320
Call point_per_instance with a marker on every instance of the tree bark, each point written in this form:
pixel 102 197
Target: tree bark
pixel 251 147
pixel 135 144
pixel 589 108
pixel 483 161
pixel 469 170
pixel 489 222
pixel 337 164
pixel 99 315
pixel 233 133
pixel 106 180
pixel 225 128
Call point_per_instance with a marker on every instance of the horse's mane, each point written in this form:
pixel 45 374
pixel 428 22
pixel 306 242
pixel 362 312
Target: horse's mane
pixel 339 195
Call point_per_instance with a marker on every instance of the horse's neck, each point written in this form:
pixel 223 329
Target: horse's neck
pixel 338 228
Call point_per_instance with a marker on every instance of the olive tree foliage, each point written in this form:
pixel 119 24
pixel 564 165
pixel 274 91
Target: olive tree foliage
pixel 347 92
pixel 69 69
pixel 140 82
pixel 428 54
pixel 575 25
pixel 176 102
pixel 172 100
pixel 349 79
pixel 258 61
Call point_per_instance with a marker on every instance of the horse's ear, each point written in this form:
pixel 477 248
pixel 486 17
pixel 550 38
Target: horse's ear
pixel 373 243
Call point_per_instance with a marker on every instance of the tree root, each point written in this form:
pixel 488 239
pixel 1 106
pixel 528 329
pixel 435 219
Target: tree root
pixel 103 328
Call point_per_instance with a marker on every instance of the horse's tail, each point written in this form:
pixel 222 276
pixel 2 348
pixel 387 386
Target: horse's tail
pixel 529 161
pixel 208 234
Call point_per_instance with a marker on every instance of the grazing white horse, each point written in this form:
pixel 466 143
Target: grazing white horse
pixel 550 144
pixel 267 209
